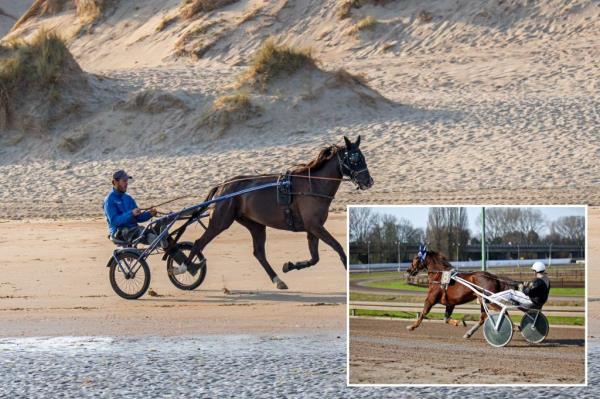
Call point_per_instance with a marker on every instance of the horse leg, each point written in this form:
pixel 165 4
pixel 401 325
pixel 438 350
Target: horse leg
pixel 448 319
pixel 259 237
pixel 482 318
pixel 321 233
pixel 313 247
pixel 210 234
pixel 426 308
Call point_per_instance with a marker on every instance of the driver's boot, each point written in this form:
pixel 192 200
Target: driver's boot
pixel 180 260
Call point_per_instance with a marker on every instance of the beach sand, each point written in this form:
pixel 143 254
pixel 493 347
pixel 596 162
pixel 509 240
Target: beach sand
pixel 489 104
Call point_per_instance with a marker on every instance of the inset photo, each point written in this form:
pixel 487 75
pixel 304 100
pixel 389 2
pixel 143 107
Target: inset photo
pixel 477 295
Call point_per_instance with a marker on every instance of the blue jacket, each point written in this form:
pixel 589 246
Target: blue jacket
pixel 118 209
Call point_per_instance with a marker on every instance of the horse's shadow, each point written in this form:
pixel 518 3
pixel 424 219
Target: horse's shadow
pixel 242 297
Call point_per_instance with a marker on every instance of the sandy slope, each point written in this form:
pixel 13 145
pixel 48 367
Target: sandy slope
pixel 493 108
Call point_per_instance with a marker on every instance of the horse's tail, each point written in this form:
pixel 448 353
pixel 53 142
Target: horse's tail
pixel 209 196
pixel 211 193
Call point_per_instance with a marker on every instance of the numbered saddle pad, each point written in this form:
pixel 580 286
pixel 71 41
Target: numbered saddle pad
pixel 504 333
pixel 534 332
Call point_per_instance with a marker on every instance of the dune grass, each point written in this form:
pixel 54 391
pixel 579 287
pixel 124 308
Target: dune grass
pixel 229 109
pixel 345 7
pixel 39 60
pixel 273 60
pixel 366 23
pixel 90 11
pixel 37 63
pixel 233 101
pixel 165 22
pixel 190 8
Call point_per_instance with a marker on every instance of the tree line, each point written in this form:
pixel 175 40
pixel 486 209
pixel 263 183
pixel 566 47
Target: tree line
pixel 385 237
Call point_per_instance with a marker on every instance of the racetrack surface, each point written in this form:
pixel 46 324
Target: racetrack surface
pixel 384 352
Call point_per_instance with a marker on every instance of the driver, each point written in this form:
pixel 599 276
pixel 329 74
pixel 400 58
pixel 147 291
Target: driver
pixel 532 295
pixel 123 216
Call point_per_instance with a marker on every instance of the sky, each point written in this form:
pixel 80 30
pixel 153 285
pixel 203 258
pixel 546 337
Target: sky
pixel 417 215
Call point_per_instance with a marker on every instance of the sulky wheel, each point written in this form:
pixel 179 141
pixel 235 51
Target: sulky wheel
pixel 503 335
pixel 132 278
pixel 194 276
pixel 534 330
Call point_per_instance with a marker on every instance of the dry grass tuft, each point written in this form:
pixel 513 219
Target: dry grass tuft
pixel 190 8
pixel 425 16
pixel 365 23
pixel 345 8
pixel 89 11
pixel 165 22
pixel 189 43
pixel 273 60
pixel 38 61
pixel 229 109
pixel 38 65
pixel 152 102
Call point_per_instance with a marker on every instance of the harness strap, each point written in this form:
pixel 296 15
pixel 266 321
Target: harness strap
pixel 311 194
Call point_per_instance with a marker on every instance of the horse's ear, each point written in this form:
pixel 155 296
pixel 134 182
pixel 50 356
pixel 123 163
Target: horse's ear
pixel 357 144
pixel 348 142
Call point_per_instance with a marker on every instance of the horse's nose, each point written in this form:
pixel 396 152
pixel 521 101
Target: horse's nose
pixel 371 182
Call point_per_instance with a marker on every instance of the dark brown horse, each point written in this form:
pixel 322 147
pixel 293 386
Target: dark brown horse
pixel 313 187
pixel 456 293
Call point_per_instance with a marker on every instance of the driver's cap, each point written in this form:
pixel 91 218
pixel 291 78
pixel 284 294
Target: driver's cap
pixel 121 174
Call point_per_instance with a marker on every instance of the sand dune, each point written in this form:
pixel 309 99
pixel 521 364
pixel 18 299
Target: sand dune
pixel 481 102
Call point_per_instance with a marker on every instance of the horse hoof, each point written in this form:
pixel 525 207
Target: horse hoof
pixel 281 285
pixel 287 267
pixel 466 336
pixel 410 328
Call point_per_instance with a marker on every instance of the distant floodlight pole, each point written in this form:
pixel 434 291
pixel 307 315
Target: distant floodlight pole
pixel 550 256
pixel 369 256
pixel 483 260
pixel 398 243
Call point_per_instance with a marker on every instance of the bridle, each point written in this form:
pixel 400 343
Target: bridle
pixel 347 163
pixel 422 255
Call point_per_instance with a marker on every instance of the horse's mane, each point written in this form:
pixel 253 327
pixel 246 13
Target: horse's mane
pixel 439 259
pixel 325 155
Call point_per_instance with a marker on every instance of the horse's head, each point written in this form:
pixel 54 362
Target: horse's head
pixel 353 165
pixel 418 262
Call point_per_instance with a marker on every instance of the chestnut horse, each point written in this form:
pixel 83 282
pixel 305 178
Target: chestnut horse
pixel 456 293
pixel 313 187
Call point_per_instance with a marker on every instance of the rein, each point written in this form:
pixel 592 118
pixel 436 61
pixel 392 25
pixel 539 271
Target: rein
pixel 352 175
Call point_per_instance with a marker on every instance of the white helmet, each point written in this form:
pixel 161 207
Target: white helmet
pixel 538 267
